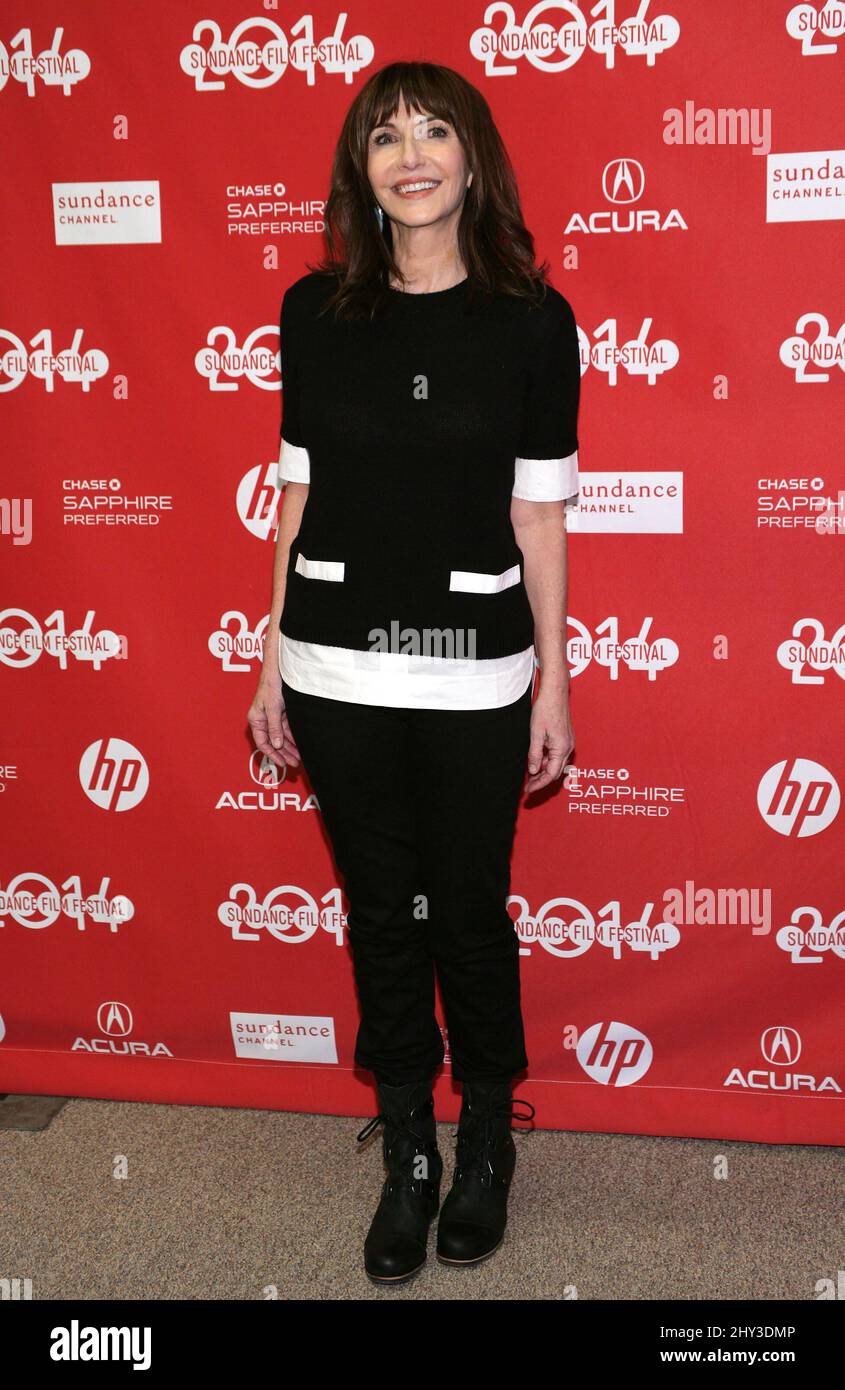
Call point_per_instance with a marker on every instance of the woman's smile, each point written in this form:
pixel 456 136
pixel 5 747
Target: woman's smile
pixel 419 188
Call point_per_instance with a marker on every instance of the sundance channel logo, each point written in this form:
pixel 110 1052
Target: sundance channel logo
pixel 107 214
pixel 283 1037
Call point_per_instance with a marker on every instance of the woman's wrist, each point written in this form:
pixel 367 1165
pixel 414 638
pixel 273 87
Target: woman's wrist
pixel 554 676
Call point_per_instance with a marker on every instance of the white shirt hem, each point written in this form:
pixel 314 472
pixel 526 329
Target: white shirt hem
pixel 404 681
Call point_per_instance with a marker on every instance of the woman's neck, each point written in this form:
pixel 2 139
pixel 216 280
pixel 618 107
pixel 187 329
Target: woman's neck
pixel 426 275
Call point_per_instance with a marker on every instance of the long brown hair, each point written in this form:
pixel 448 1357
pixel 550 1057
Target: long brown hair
pixel 494 243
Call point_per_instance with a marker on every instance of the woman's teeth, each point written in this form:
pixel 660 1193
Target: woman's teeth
pixel 415 187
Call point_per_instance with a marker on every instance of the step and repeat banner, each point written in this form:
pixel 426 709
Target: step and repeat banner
pixel 172 927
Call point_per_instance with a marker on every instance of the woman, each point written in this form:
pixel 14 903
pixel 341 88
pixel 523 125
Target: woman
pixel 431 382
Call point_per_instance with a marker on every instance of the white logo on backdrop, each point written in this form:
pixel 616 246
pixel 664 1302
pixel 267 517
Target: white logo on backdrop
pixel 114 774
pixel 287 913
pixel 809 933
pixel 641 502
pixel 261 59
pixel 268 792
pixel 810 358
pixel 50 66
pixel 817 652
pixel 640 652
pixel 805 186
pixel 555 33
pixel 115 1019
pixel 623 181
pixel 798 798
pixel 623 185
pixel 284 1037
pixel 638 356
pixel 567 928
pixel 813 24
pixel 254 362
pixel 780 1047
pixel 614 1054
pixel 107 214
pixel 235 644
pixel 115 1022
pixel 23 639
pixel 46 362
pixel 34 901
pixel 264 771
pixel 257 500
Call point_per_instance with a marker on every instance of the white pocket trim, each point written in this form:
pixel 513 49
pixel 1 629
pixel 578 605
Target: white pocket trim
pixel 468 582
pixel 320 569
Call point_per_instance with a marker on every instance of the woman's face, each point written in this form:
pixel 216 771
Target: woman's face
pixel 412 149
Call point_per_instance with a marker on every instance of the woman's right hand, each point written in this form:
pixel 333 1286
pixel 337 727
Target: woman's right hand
pixel 269 723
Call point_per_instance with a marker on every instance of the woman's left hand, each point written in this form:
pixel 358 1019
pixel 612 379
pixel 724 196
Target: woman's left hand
pixel 552 738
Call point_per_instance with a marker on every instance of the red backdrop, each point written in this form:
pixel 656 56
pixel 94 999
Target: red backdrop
pixel 170 922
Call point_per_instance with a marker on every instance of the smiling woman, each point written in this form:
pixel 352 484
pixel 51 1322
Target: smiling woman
pixel 431 381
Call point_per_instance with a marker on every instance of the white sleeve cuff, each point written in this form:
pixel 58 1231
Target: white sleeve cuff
pixel 294 464
pixel 546 480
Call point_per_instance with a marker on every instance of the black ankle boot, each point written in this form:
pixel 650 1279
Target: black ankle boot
pixel 475 1212
pixel 395 1247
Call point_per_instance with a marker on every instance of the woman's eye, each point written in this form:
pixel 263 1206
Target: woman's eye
pixel 439 130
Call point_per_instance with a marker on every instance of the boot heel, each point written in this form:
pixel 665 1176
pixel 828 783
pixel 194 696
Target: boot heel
pixel 396 1245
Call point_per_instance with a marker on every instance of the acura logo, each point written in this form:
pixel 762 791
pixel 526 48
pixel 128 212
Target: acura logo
pixel 780 1046
pixel 623 181
pixel 114 1020
pixel 264 771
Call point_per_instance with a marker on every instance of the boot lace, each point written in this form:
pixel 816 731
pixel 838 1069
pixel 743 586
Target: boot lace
pixel 403 1123
pixel 472 1158
pixel 400 1125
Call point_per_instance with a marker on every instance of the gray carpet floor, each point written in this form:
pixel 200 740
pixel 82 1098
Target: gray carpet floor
pixel 220 1203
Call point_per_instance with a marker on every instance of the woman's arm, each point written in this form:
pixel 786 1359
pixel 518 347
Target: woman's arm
pixel 270 729
pixel 540 531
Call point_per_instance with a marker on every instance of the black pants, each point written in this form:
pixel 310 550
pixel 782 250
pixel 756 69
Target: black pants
pixel 420 808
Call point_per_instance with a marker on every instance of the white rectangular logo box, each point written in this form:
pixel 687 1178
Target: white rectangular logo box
pixel 107 214
pixel 805 186
pixel 629 503
pixel 284 1037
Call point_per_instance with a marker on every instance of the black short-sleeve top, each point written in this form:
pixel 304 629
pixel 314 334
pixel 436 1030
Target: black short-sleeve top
pixel 405 584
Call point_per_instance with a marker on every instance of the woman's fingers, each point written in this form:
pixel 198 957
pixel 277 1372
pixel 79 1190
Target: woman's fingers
pixel 271 732
pixel 539 779
pixel 535 747
pixel 261 739
pixel 290 749
pixel 275 723
pixel 281 737
pixel 547 759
